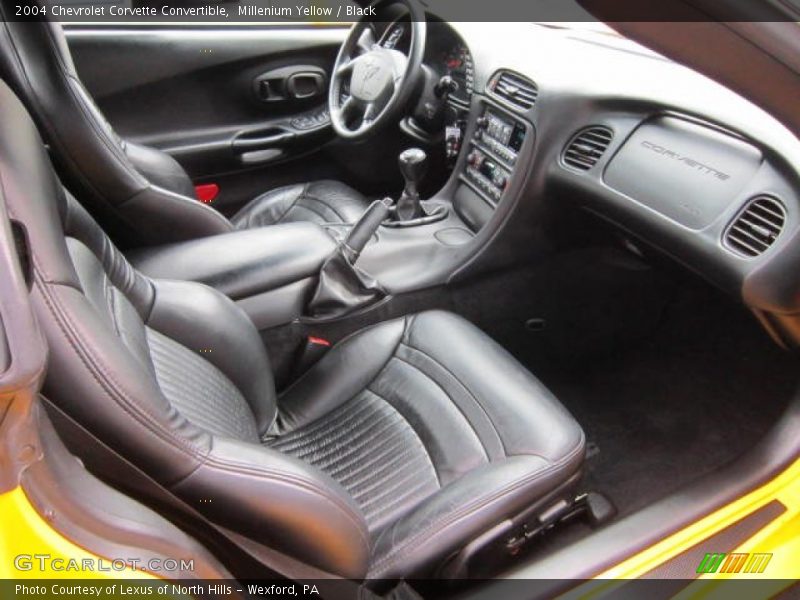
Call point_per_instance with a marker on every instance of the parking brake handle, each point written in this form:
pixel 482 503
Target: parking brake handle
pixel 365 228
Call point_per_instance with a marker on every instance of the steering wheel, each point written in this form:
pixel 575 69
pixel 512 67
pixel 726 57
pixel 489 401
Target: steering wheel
pixel 381 80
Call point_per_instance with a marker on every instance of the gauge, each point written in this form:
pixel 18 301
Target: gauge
pixel 454 62
pixel 458 64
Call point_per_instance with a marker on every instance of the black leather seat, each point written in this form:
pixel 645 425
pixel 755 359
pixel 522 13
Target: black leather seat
pixel 406 441
pixel 140 194
pixel 318 202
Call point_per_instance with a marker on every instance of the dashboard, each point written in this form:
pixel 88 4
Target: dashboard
pixel 446 53
pixel 671 159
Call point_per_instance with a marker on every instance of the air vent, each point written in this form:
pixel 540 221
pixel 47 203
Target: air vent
pixel 587 147
pixel 515 89
pixel 757 227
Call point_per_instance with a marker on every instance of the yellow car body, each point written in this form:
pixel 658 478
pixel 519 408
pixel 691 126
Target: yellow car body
pixel 778 543
pixel 26 532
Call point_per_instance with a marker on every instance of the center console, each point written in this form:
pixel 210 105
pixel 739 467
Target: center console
pixel 283 273
pixel 492 154
pixel 270 271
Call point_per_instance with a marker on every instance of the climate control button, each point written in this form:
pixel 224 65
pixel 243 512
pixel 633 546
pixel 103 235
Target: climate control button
pixel 475 159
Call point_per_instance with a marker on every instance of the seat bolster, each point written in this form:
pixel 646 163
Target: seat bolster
pixel 160 216
pixel 283 503
pixel 527 417
pixel 104 386
pixel 160 168
pixel 267 208
pixel 462 511
pixel 342 373
pixel 208 322
pixel 318 202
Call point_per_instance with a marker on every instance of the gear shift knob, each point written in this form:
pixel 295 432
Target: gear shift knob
pixel 413 165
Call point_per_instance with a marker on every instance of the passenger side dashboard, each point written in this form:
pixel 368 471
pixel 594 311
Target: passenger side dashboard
pixel 721 204
pixel 669 157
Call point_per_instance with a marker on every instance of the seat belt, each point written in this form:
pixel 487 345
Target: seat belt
pixel 113 466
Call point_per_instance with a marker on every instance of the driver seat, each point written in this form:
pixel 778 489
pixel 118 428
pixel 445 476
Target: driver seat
pixel 141 195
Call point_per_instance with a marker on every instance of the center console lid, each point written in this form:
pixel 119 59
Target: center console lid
pixel 254 267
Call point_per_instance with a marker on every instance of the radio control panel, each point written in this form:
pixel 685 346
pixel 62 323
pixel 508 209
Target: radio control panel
pixel 493 153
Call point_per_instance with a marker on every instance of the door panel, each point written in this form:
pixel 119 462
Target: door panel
pixel 229 103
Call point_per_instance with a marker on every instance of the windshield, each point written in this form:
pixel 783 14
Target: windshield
pixel 593 26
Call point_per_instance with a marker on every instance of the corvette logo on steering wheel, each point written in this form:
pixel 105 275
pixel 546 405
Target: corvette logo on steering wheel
pixel 370 78
pixel 371 69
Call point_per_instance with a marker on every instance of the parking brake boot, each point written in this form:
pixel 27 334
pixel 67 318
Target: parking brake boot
pixel 342 286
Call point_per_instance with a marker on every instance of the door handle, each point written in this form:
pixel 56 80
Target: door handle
pixel 252 141
pixel 306 85
pixel 299 82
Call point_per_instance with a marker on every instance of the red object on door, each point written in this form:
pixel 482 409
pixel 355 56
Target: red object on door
pixel 206 192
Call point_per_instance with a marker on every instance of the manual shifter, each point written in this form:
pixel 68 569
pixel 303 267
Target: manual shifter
pixel 413 166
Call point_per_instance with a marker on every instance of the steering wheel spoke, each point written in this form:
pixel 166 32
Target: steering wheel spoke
pixel 346 67
pixel 371 111
pixel 349 107
pixel 366 41
pixel 397 82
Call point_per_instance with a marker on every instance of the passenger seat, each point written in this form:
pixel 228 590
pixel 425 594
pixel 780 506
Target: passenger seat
pixel 405 442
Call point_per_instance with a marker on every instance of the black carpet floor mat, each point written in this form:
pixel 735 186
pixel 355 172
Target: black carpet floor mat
pixel 699 393
pixel 669 378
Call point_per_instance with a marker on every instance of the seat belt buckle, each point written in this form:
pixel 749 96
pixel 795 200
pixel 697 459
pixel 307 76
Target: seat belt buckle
pixel 311 352
pixel 317 342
